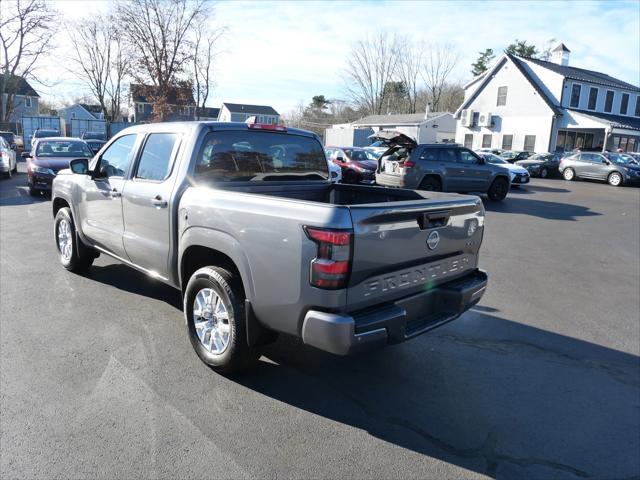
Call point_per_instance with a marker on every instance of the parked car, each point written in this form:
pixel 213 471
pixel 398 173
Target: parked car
pixel 43 133
pixel 519 175
pixel 48 156
pixel 8 164
pixel 541 165
pixel 95 140
pixel 356 164
pixel 495 151
pixel 440 167
pixel 634 157
pixel 243 221
pixel 10 138
pixel 513 156
pixel 614 168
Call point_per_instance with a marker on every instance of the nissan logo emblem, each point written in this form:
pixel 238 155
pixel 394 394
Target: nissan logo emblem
pixel 433 239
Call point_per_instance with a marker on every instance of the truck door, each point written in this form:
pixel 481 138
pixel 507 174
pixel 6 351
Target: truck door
pixel 145 203
pixel 101 207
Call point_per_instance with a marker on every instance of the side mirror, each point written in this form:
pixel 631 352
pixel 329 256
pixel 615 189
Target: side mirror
pixel 26 155
pixel 340 158
pixel 79 166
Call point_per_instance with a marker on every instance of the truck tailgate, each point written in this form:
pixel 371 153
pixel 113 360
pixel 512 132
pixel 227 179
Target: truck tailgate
pixel 392 256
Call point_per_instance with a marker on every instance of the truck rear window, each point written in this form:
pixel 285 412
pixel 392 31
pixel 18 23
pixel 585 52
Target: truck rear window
pixel 242 156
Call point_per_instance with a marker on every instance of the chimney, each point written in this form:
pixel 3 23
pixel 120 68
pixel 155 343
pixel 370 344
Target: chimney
pixel 560 55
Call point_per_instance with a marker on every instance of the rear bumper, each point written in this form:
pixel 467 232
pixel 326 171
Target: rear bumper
pixel 390 180
pixel 395 322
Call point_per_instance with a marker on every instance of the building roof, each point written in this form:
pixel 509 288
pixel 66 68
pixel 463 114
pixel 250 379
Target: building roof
pixel 561 48
pixel 177 95
pixel 255 109
pixel 19 86
pixel 584 75
pixel 397 119
pixel 91 108
pixel 208 112
pixel 619 121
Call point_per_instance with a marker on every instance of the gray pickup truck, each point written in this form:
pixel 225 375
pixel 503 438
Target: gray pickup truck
pixel 243 219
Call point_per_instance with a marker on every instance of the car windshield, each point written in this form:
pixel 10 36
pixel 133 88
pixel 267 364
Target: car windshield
pixel 509 155
pixel 357 155
pixel 243 156
pixel 93 136
pixel 45 133
pixel 8 136
pixel 380 143
pixel 373 155
pixel 491 158
pixel 63 148
pixel 540 156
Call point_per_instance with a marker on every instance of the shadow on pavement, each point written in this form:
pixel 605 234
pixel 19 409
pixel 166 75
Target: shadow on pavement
pixel 539 208
pixel 126 278
pixel 532 189
pixel 14 191
pixel 496 397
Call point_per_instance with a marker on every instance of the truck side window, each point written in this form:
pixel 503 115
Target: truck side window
pixel 155 161
pixel 116 159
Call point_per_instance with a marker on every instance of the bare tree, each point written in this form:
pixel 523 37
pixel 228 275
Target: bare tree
pixel 410 63
pixel 439 63
pixel 26 31
pixel 371 65
pixel 158 32
pixel 204 51
pixel 99 61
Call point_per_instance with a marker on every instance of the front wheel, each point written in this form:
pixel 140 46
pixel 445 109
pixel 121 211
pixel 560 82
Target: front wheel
pixel 614 179
pixel 498 189
pixel 215 315
pixel 568 174
pixel 73 254
pixel 431 184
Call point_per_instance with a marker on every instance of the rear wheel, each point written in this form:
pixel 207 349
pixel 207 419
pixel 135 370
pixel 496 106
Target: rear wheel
pixel 544 173
pixel 8 173
pixel 431 184
pixel 568 174
pixel 614 179
pixel 215 315
pixel 498 189
pixel 74 255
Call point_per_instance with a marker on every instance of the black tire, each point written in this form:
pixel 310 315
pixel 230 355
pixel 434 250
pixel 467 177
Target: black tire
pixel 569 174
pixel 237 355
pixel 33 192
pixel 615 179
pixel 8 173
pixel 431 184
pixel 544 173
pixel 81 256
pixel 498 189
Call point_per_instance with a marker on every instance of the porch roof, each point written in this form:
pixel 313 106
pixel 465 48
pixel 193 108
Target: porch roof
pixel 607 119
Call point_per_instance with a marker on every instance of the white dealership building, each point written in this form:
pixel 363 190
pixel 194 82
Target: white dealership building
pixel 535 105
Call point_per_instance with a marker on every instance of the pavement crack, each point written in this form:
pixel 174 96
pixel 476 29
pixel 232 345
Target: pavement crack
pixel 621 373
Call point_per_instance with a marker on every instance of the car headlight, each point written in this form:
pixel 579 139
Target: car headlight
pixel 42 170
pixel 512 175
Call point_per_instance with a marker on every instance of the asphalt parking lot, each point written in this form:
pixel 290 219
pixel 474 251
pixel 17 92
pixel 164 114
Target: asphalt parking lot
pixel 540 380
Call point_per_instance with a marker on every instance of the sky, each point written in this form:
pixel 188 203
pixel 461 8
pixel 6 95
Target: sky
pixel 281 53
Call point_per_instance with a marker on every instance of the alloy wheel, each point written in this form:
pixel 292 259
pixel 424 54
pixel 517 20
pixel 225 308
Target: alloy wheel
pixel 211 320
pixel 65 240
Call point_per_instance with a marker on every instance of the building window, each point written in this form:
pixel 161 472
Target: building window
pixel 27 102
pixel 529 143
pixel 593 98
pixel 624 104
pixel 560 141
pixel 638 106
pixel 502 97
pixel 608 101
pixel 140 108
pixel 507 142
pixel 575 95
pixel 468 140
pixel 486 141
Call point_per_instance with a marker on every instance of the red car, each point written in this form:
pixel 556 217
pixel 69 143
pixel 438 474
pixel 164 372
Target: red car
pixel 358 165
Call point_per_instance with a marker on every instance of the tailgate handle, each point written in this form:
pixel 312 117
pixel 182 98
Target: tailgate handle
pixel 433 219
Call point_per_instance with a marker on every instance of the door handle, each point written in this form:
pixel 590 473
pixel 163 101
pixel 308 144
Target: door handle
pixel 115 193
pixel 158 202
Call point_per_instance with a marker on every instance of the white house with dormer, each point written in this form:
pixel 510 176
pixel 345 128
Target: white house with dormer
pixel 546 106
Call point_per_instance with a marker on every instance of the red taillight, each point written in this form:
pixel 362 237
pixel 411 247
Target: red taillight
pixel 409 164
pixel 332 265
pixel 266 126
